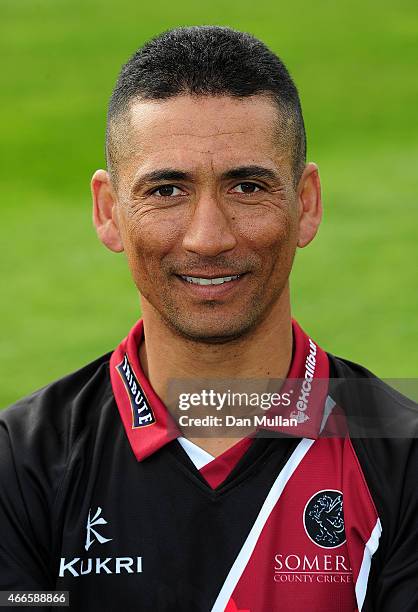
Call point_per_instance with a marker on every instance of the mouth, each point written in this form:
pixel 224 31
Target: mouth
pixel 208 287
pixel 216 280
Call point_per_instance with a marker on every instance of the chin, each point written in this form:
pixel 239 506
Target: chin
pixel 221 331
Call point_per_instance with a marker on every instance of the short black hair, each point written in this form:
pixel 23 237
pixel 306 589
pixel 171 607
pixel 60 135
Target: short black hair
pixel 207 61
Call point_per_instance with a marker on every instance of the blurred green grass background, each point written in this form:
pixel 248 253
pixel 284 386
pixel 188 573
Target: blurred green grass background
pixel 66 300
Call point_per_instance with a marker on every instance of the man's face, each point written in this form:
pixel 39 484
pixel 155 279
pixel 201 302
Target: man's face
pixel 205 193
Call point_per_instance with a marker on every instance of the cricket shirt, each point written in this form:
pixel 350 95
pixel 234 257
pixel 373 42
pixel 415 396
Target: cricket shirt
pixel 102 495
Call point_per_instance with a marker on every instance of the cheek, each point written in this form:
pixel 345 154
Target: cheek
pixel 147 241
pixel 274 239
pixel 273 233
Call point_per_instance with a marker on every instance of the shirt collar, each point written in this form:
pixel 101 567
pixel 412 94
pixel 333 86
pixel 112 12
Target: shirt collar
pixel 148 424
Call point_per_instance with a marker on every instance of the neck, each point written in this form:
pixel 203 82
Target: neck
pixel 265 352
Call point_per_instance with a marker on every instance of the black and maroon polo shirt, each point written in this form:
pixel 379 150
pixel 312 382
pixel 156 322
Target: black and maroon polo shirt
pixel 102 495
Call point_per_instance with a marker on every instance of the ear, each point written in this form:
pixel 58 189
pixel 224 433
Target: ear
pixel 309 204
pixel 104 211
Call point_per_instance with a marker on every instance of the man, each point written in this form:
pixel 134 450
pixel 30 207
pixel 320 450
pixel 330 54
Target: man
pixel 102 493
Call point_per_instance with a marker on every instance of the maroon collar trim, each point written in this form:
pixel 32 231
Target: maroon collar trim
pixel 148 424
pixel 145 418
pixel 307 383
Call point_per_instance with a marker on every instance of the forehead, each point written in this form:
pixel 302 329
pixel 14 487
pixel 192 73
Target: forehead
pixel 192 131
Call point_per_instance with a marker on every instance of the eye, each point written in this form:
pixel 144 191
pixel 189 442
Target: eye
pixel 247 188
pixel 166 191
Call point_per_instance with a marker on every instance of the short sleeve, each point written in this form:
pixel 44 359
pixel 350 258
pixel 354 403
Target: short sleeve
pixel 394 580
pixel 22 562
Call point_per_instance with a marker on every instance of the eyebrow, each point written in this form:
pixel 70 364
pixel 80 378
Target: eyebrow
pixel 245 172
pixel 241 172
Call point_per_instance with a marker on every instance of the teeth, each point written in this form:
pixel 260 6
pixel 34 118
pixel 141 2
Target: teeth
pixel 195 280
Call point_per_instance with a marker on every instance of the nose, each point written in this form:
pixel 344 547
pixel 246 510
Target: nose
pixel 209 231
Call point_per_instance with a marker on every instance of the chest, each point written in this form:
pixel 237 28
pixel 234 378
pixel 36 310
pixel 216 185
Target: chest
pixel 153 535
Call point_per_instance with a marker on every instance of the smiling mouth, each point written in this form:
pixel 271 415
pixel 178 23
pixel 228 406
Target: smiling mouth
pixel 217 280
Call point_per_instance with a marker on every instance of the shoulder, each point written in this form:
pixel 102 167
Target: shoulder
pixel 373 406
pixel 382 422
pixel 50 420
pixel 383 431
pixel 41 437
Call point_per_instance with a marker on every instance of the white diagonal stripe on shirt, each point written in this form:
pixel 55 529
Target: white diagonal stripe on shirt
pixel 246 551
